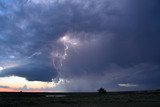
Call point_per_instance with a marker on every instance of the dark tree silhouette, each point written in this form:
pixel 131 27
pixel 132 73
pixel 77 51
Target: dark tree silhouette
pixel 102 91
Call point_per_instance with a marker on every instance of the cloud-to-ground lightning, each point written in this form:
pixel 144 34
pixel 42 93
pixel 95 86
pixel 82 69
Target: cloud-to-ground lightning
pixel 67 41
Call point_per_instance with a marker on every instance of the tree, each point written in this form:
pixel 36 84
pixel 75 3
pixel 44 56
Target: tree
pixel 102 91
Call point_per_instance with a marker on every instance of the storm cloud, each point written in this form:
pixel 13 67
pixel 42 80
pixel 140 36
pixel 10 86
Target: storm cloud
pixel 90 43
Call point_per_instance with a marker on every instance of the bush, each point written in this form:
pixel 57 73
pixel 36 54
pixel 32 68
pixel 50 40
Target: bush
pixel 102 91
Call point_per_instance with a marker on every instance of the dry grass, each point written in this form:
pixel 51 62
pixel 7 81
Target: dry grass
pixel 80 100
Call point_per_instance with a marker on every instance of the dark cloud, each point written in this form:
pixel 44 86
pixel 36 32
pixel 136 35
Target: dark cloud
pixel 4 87
pixel 29 27
pixel 118 41
pixel 32 72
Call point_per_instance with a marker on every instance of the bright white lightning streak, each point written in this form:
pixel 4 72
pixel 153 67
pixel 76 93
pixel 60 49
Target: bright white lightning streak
pixel 68 42
pixel 65 52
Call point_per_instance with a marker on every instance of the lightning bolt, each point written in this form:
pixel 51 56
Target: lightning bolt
pixel 65 52
pixel 60 56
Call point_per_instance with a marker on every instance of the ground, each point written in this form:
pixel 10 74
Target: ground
pixel 110 99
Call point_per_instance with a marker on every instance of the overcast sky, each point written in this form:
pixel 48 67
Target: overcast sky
pixel 79 45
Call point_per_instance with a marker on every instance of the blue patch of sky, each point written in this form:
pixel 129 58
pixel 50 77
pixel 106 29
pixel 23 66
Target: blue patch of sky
pixel 4 4
pixel 7 2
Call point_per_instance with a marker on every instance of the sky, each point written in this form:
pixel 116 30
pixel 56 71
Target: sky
pixel 79 45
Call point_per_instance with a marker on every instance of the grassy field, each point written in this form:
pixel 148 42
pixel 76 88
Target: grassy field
pixel 112 99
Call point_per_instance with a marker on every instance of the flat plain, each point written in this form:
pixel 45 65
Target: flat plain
pixel 85 99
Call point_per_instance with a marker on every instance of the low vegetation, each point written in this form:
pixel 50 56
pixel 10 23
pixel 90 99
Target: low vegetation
pixel 111 99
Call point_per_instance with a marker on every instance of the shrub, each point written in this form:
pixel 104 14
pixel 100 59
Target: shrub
pixel 102 91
